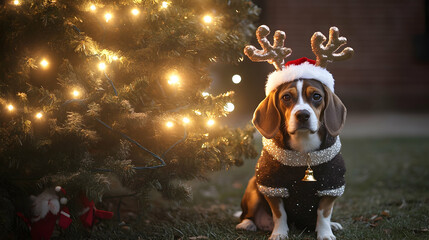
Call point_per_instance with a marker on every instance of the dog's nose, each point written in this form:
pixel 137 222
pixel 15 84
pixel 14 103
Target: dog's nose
pixel 302 115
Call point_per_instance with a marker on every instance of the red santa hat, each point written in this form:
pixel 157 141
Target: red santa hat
pixel 63 193
pixel 302 68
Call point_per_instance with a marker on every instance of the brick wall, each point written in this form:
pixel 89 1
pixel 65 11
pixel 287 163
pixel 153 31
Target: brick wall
pixel 384 73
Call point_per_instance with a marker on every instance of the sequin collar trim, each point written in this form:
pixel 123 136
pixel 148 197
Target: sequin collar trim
pixel 284 192
pixel 332 192
pixel 298 159
pixel 273 192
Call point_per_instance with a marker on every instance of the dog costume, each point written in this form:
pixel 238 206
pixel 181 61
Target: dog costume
pixel 279 174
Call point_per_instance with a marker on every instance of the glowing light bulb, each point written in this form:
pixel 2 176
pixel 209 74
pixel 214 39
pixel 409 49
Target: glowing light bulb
pixel 205 94
pixel 39 115
pixel 173 79
pixel 236 79
pixel 164 4
pixel 207 19
pixel 115 58
pixel 16 3
pixel 102 66
pixel 135 11
pixel 108 16
pixel 198 112
pixel 229 107
pixel 93 7
pixel 210 122
pixel 186 120
pixel 44 63
pixel 10 107
pixel 169 124
pixel 75 93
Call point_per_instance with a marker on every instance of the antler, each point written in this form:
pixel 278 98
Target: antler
pixel 326 54
pixel 273 54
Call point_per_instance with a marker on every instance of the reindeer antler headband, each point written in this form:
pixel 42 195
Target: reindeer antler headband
pixel 273 54
pixel 326 54
pixel 300 68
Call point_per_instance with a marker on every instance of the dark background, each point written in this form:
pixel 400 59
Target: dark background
pixel 388 73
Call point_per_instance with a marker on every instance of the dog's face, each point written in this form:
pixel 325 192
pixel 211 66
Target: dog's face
pixel 302 103
pixel 300 107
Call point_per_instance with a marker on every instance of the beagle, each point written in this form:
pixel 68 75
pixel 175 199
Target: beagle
pixel 300 121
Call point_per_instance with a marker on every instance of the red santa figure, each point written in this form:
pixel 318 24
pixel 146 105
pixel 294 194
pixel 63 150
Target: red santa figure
pixel 48 210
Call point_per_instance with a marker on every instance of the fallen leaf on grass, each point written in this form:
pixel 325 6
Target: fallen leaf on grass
pixel 360 219
pixel 420 230
pixel 198 237
pixel 373 224
pixel 385 213
pixel 373 221
pixel 403 204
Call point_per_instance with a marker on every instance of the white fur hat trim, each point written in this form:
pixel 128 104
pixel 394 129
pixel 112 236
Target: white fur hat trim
pixel 63 200
pixel 293 72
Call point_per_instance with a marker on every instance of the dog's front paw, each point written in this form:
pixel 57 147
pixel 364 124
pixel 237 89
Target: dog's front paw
pixel 247 225
pixel 325 236
pixel 336 226
pixel 278 236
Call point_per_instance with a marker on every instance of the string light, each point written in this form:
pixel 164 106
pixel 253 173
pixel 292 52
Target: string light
pixel 236 79
pixel 93 7
pixel 210 122
pixel 197 112
pixel 10 107
pixel 16 3
pixel 108 16
pixel 39 115
pixel 186 120
pixel 207 19
pixel 169 124
pixel 164 4
pixel 44 63
pixel 229 107
pixel 102 66
pixel 205 94
pixel 115 58
pixel 75 93
pixel 135 11
pixel 173 79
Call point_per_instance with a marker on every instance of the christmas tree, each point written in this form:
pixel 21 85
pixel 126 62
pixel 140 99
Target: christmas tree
pixel 98 90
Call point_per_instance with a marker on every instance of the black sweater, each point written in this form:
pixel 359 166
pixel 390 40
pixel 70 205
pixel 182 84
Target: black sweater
pixel 301 199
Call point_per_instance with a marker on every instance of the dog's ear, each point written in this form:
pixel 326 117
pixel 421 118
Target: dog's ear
pixel 335 113
pixel 267 117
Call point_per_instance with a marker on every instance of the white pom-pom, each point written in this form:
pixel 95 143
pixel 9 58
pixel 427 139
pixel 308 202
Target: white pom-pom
pixel 57 188
pixel 63 201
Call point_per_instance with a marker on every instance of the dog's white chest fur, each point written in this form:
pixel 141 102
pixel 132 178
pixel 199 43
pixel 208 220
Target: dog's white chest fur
pixel 304 141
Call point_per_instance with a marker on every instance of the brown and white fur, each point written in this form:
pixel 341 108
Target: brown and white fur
pixel 298 115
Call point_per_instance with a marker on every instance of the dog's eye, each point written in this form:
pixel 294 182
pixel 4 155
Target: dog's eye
pixel 287 97
pixel 317 96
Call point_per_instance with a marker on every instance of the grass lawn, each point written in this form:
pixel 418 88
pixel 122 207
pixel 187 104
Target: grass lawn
pixel 387 197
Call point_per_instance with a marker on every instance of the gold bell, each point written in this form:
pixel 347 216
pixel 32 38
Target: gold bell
pixel 308 177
